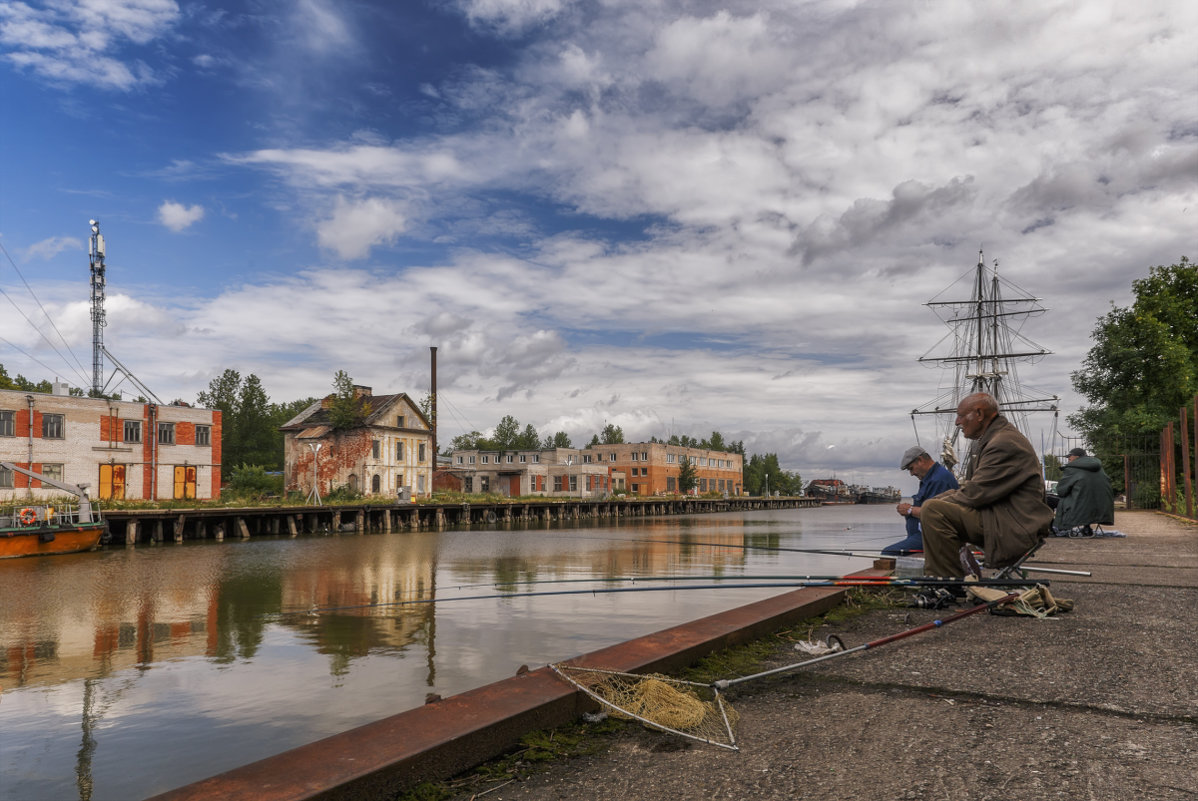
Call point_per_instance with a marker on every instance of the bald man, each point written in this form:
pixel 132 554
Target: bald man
pixel 1000 505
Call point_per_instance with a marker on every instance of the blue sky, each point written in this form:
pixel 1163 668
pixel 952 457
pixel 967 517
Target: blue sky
pixel 677 217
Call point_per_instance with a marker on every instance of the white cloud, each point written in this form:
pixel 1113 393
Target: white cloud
pixel 178 217
pixel 49 248
pixel 358 225
pixel 512 16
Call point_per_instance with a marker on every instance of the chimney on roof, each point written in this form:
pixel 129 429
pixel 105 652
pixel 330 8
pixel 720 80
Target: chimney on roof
pixel 362 392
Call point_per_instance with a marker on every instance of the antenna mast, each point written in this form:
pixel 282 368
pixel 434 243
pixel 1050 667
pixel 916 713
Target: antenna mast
pixel 95 254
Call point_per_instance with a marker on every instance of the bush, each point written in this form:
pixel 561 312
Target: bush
pixel 253 481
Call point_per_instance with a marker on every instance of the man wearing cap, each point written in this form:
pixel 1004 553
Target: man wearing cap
pixel 1000 505
pixel 934 479
pixel 1085 495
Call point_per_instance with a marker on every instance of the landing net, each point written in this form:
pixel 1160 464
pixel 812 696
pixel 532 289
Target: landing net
pixel 686 708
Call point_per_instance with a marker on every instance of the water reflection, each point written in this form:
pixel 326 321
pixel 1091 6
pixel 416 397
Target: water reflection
pixel 128 672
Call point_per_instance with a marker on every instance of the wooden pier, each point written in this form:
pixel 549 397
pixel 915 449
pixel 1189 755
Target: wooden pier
pixel 165 525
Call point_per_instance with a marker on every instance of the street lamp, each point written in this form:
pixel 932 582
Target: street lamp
pixel 314 495
pixel 767 485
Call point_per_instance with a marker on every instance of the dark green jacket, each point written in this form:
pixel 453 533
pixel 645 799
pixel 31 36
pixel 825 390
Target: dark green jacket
pixel 1004 483
pixel 1086 495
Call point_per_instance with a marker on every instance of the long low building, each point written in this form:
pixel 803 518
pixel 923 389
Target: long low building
pixel 119 449
pixel 638 468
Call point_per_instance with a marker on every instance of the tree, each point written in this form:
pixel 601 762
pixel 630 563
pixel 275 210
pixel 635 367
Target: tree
pixel 506 434
pixel 759 466
pixel 261 442
pixel 612 435
pixel 346 410
pixel 1144 362
pixel 687 480
pixel 716 443
pixel 474 441
pixel 529 440
pixel 559 440
pixel 22 383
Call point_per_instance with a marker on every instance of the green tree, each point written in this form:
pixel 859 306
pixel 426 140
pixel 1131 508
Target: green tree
pixel 346 410
pixel 222 395
pixel 22 383
pixel 1143 365
pixel 474 441
pixel 559 440
pixel 1052 467
pixel 687 480
pixel 506 434
pixel 529 439
pixel 612 435
pixel 261 441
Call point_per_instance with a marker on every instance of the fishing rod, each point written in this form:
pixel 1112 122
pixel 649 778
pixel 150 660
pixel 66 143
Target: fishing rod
pixel 703 577
pixel 860 582
pixel 723 684
pixel 830 552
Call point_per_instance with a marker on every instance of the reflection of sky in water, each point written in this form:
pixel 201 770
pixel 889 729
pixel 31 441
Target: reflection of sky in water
pixel 146 669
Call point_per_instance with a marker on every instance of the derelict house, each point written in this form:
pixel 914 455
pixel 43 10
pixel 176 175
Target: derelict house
pixel 121 450
pixel 388 451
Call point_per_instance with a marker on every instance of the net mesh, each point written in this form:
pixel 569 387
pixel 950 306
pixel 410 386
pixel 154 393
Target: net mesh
pixel 690 709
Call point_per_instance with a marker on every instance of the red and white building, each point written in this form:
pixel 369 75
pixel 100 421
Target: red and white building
pixel 119 449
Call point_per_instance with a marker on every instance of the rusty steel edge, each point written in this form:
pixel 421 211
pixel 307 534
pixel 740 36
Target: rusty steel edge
pixel 454 734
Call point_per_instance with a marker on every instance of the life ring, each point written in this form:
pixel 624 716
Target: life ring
pixel 28 516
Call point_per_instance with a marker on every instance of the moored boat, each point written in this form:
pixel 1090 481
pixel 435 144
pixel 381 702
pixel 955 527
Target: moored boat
pixel 46 527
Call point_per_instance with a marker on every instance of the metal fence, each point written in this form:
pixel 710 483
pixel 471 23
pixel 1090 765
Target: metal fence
pixel 1177 460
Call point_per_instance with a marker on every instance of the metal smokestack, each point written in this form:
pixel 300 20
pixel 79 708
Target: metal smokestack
pixel 433 358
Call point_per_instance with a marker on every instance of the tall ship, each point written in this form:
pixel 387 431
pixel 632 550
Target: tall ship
pixel 981 352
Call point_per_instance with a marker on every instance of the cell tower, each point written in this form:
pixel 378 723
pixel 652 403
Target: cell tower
pixel 95 253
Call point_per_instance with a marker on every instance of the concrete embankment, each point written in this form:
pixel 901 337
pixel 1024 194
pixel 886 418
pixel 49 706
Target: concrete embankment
pixel 1100 703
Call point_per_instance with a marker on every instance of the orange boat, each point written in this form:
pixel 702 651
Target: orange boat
pixel 44 527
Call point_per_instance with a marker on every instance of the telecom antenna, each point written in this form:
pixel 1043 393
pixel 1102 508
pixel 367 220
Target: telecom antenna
pixel 95 254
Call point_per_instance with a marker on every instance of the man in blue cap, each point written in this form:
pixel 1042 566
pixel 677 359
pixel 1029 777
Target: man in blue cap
pixel 934 478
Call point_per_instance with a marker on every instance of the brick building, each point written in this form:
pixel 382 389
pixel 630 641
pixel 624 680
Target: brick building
pixel 641 468
pixel 120 449
pixel 389 450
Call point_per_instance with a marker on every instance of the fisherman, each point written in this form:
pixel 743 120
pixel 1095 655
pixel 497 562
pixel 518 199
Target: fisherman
pixel 934 478
pixel 1000 506
pixel 1085 495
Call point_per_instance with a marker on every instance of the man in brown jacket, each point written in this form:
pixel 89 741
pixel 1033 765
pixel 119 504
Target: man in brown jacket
pixel 1000 504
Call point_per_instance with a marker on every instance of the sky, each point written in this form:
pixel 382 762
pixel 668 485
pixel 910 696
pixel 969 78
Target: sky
pixel 673 217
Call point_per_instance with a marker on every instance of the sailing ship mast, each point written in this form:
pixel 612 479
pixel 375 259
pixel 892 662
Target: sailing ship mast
pixel 986 347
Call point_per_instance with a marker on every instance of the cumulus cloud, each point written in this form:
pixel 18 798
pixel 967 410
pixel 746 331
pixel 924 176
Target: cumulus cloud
pixel 178 217
pixel 355 226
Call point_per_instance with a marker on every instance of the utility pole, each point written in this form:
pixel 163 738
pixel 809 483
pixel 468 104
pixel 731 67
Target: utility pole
pixel 314 495
pixel 95 253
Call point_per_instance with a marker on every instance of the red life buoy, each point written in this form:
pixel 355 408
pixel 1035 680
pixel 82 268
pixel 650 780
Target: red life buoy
pixel 28 516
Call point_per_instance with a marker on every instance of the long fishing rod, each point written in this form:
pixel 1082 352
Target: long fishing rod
pixel 703 577
pixel 883 582
pixel 723 684
pixel 831 552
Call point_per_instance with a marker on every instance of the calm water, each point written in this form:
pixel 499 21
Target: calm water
pixel 125 673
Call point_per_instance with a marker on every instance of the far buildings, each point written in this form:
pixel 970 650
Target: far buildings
pixel 389 452
pixel 638 468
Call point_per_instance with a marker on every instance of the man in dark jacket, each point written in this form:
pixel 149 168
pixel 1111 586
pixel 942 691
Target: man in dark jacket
pixel 934 478
pixel 1000 506
pixel 1085 495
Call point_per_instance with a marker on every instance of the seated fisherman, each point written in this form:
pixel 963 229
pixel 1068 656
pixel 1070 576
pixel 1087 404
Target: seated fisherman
pixel 1085 495
pixel 934 478
pixel 1000 504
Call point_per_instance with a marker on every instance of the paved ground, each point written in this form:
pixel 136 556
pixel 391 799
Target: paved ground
pixel 1098 704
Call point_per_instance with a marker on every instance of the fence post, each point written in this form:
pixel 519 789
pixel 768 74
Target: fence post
pixel 1185 461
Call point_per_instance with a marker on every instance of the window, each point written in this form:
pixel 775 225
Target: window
pixel 399 451
pixel 670 458
pixel 471 460
pixel 486 460
pixel 52 426
pixel 509 458
pixel 523 458
pixel 5 478
pixel 203 436
pixel 166 433
pixel 399 421
pixel 469 483
pixel 52 471
pixel 671 483
pixel 557 483
pixel 573 483
pixel 484 483
pixel 7 423
pixel 376 450
pixel 644 456
pixel 422 451
pixel 611 457
pixel 634 456
pixel 461 459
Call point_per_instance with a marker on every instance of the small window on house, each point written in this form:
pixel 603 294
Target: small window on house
pixel 203 436
pixel 421 455
pixel 471 460
pixel 484 483
pixel 486 460
pixel 399 421
pixel 166 433
pixel 644 456
pixel 509 458
pixel 5 478
pixel 52 426
pixel 7 423
pixel 376 449
pixel 536 457
pixel 611 457
pixel 523 458
pixel 468 483
pixel 573 483
pixel 399 452
pixel 133 431
pixel 52 471
pixel 557 483
pixel 461 459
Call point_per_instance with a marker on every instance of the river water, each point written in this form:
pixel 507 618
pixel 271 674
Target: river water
pixel 127 672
